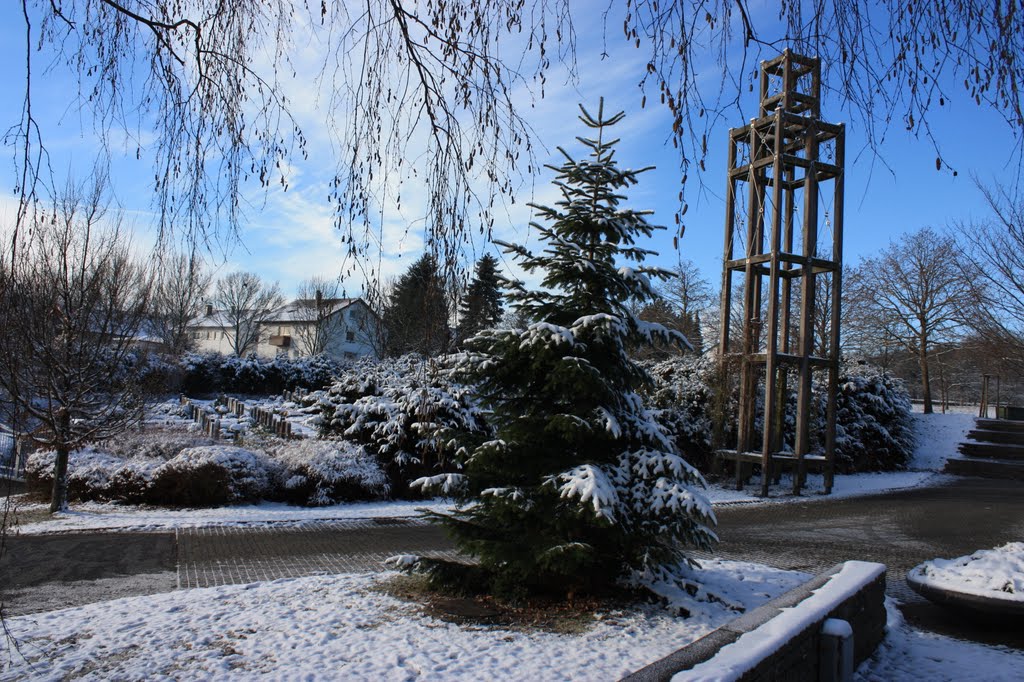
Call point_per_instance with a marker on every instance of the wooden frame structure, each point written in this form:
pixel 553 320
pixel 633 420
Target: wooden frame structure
pixel 773 268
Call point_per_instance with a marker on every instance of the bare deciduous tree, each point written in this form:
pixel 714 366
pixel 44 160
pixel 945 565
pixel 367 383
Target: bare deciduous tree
pixel 993 258
pixel 182 284
pixel 209 83
pixel 243 301
pixel 316 309
pixel 914 294
pixel 72 303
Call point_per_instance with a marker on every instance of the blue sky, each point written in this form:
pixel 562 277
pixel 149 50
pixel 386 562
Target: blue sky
pixel 290 236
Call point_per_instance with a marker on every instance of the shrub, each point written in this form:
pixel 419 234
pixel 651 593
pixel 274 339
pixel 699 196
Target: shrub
pixel 213 475
pixel 874 426
pixel 683 396
pixel 412 416
pixel 94 475
pixel 874 431
pixel 323 472
pixel 159 444
pixel 206 374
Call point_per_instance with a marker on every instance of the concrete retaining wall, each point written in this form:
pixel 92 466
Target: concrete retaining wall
pixel 781 640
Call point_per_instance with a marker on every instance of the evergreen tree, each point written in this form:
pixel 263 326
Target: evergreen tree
pixel 482 307
pixel 580 490
pixel 416 316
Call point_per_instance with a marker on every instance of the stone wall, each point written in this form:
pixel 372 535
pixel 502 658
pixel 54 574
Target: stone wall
pixel 857 598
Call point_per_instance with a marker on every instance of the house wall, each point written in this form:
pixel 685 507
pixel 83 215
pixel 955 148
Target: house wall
pixel 210 340
pixel 352 338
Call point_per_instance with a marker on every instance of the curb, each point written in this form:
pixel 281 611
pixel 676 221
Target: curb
pixel 783 639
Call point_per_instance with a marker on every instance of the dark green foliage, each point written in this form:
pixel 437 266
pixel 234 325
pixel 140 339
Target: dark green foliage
pixel 874 424
pixel 581 490
pixel 211 374
pixel 416 316
pixel 205 485
pixel 405 411
pixel 482 306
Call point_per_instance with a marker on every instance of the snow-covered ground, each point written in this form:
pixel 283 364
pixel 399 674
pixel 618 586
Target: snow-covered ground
pixel 345 627
pixel 993 573
pixel 98 516
pixel 910 654
pixel 937 437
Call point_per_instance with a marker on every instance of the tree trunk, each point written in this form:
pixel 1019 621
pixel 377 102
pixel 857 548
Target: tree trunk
pixel 59 495
pixel 926 388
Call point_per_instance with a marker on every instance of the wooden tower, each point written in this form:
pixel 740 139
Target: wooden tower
pixel 782 270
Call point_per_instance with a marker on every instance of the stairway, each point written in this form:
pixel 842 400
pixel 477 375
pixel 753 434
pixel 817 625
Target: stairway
pixel 995 449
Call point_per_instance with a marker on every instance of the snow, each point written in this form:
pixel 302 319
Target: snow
pixel 109 517
pixel 937 437
pixel 993 573
pixel 345 627
pixel 909 654
pixel 591 485
pixel 733 660
pixel 836 627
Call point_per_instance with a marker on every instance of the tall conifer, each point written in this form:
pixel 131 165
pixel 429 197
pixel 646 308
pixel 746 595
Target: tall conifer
pixel 482 306
pixel 416 315
pixel 581 489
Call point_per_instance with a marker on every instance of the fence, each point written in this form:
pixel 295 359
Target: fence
pixel 12 464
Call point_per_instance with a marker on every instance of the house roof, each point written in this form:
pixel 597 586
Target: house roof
pixel 304 309
pixel 296 311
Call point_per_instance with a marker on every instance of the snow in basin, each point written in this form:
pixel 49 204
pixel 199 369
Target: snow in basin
pixel 994 573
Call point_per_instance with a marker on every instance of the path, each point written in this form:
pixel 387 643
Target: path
pixel 900 529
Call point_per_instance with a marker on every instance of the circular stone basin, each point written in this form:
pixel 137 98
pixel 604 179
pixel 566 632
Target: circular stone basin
pixel 990 604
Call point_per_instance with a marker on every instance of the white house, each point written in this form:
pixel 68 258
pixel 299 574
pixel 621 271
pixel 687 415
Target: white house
pixel 345 329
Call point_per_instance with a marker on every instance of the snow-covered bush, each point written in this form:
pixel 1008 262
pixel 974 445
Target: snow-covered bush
pixel 94 474
pixel 204 374
pixel 159 443
pixel 213 475
pixel 408 412
pixel 874 425
pixel 323 472
pixel 682 392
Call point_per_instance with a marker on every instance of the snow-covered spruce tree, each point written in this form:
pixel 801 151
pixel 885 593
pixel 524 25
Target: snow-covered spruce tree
pixel 581 490
pixel 482 304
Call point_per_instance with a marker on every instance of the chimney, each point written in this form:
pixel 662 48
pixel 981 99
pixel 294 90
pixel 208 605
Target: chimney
pixel 319 298
pixel 209 309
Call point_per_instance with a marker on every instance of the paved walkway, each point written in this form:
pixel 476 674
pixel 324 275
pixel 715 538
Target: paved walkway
pixel 899 529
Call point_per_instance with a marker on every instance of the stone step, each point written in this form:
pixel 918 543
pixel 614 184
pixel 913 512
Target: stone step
pixel 990 436
pixel 1000 425
pixel 992 450
pixel 986 468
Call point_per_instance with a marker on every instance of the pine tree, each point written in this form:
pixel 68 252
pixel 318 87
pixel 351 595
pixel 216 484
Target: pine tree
pixel 580 490
pixel 482 306
pixel 416 315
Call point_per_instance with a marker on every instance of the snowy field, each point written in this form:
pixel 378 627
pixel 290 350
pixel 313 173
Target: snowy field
pixel 345 627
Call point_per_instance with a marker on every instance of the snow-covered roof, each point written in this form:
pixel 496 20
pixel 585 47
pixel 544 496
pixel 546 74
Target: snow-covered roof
pixel 299 310
pixel 304 309
pixel 216 319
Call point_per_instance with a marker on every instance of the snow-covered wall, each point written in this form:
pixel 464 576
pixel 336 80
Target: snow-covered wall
pixel 781 639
